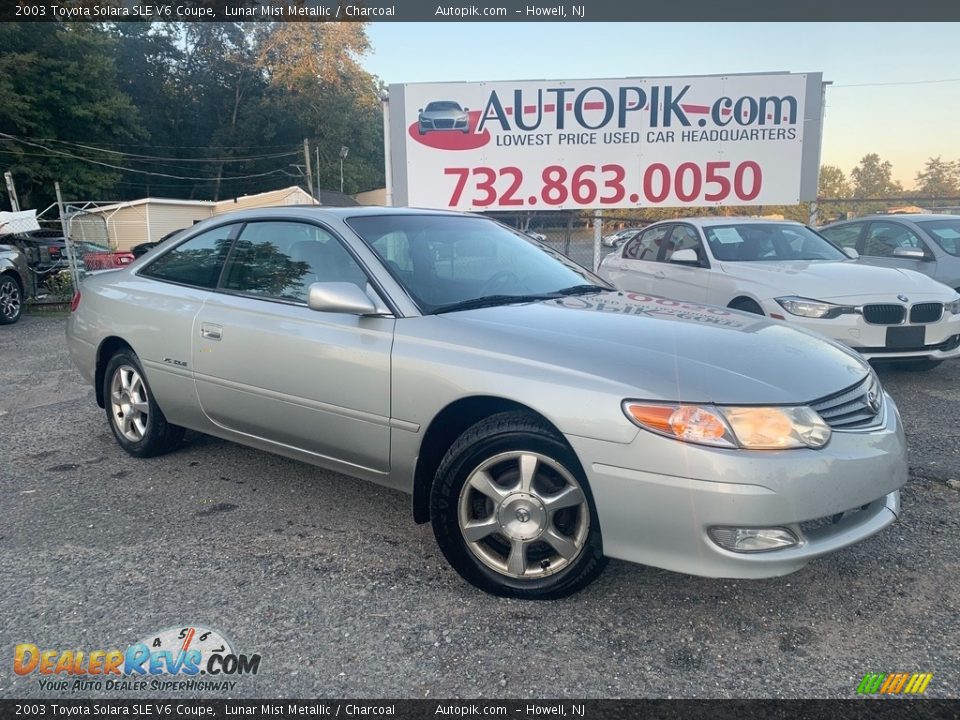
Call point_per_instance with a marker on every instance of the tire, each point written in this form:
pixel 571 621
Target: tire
pixel 920 365
pixel 11 300
pixel 499 481
pixel 136 420
pixel 746 305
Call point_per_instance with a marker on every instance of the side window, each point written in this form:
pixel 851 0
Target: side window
pixel 282 259
pixel 885 237
pixel 196 262
pixel 845 236
pixel 683 237
pixel 646 246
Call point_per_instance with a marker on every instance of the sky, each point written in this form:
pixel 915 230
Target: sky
pixel 905 122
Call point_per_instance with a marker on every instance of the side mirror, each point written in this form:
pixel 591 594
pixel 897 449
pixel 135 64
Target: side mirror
pixel 466 109
pixel 914 253
pixel 420 110
pixel 687 255
pixel 340 297
pixel 851 253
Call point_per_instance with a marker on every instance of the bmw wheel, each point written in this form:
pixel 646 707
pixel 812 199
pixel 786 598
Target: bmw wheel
pixel 137 422
pixel 11 300
pixel 512 512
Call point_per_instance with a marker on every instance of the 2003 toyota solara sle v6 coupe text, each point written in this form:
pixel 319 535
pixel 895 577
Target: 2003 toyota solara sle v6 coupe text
pixel 542 420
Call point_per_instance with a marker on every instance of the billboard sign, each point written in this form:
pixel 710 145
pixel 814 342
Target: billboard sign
pixel 615 143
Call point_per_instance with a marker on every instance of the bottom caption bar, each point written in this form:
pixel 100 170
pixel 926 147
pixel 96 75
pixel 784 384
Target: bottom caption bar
pixel 896 709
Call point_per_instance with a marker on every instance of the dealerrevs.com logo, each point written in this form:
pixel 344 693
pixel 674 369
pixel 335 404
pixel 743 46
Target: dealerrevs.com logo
pixel 181 658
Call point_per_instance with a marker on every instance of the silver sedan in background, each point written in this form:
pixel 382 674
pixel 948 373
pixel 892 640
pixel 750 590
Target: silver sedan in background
pixel 451 357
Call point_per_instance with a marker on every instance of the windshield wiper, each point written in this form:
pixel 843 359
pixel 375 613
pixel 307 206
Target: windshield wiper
pixel 582 290
pixel 492 301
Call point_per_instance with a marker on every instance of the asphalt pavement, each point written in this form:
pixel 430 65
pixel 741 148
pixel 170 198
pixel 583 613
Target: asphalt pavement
pixel 329 580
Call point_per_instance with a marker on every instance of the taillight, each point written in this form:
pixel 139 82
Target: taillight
pixel 75 303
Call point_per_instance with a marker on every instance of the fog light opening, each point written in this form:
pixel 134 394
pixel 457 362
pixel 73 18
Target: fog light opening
pixel 752 540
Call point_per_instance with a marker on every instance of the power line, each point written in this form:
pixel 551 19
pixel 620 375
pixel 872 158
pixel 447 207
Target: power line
pixel 134 170
pixel 172 159
pixel 903 82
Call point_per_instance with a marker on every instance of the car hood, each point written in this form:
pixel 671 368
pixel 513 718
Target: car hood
pixel 842 280
pixel 656 349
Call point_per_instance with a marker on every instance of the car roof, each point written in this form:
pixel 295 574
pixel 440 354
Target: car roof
pixel 910 217
pixel 322 212
pixel 712 220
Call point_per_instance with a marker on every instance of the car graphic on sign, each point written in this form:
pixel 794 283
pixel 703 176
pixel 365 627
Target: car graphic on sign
pixel 443 115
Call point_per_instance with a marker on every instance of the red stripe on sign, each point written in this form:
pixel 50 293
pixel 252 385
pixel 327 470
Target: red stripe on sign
pixel 549 108
pixel 696 108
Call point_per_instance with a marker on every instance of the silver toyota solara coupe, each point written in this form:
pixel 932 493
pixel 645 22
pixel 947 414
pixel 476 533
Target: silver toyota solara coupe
pixel 541 420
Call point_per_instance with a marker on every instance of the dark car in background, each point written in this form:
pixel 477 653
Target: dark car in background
pixel 929 244
pixel 14 283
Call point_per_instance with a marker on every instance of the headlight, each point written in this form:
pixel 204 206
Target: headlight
pixel 752 428
pixel 953 307
pixel 805 307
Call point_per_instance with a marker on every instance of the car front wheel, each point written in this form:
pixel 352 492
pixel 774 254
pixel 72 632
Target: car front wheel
pixel 137 422
pixel 512 512
pixel 11 300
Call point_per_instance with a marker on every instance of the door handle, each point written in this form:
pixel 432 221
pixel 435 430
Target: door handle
pixel 210 331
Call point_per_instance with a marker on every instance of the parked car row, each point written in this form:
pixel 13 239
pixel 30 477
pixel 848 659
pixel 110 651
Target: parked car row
pixel 789 272
pixel 451 357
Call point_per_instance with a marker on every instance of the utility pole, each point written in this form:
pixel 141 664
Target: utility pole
pixel 71 255
pixel 306 157
pixel 12 191
pixel 317 169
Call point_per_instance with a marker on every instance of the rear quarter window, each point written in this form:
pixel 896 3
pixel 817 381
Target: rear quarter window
pixel 196 262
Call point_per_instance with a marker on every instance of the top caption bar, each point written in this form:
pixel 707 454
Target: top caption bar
pixel 510 11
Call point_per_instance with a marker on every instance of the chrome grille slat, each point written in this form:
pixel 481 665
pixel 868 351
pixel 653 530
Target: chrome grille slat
pixel 850 409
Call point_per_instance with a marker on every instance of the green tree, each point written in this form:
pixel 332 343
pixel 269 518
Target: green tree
pixel 833 183
pixel 873 178
pixel 59 88
pixel 939 178
pixel 319 90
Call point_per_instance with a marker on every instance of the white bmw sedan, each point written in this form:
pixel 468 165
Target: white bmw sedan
pixel 786 271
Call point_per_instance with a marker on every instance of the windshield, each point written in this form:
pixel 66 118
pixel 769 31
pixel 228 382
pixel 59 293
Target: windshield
pixel 768 241
pixel 443 105
pixel 447 260
pixel 946 233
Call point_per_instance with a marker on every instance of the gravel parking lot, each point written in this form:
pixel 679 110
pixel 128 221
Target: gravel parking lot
pixel 329 579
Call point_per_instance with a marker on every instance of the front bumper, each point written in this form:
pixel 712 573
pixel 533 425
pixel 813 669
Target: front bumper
pixel 660 515
pixel 941 338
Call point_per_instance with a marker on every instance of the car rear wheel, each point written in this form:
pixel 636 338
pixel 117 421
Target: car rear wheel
pixel 11 300
pixel 137 422
pixel 512 511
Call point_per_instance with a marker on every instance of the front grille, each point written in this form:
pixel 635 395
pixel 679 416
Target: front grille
pixel 823 524
pixel 854 408
pixel 926 312
pixel 884 314
pixel 445 124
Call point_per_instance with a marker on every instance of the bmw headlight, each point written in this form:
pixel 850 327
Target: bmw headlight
pixel 805 307
pixel 953 307
pixel 752 428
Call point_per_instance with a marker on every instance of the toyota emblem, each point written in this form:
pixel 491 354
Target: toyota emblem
pixel 873 401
